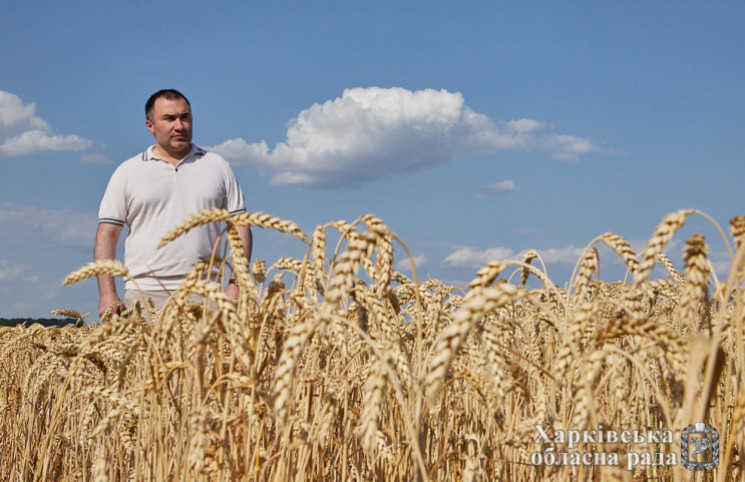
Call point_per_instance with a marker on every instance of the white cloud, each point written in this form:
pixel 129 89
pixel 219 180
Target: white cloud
pixel 568 255
pixel 404 265
pixel 22 132
pixel 497 189
pixel 23 226
pixel 16 117
pixel 370 133
pixel 471 258
pixel 467 257
pixel 95 159
pixel 10 271
pixel 722 267
pixel 239 150
pixel 568 148
pixel 32 142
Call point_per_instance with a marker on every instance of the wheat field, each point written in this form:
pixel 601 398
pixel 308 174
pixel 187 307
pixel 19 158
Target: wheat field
pixel 337 367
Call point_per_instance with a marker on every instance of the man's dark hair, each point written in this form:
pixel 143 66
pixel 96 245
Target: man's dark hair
pixel 170 94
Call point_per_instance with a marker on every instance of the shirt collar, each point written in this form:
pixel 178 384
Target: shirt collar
pixel 194 151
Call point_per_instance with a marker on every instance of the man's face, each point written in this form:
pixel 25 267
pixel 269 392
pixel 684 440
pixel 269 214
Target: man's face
pixel 171 126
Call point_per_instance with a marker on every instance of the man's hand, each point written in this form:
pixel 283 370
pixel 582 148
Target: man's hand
pixel 110 300
pixel 105 248
pixel 232 291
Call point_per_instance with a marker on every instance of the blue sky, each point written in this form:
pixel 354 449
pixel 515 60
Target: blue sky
pixel 475 130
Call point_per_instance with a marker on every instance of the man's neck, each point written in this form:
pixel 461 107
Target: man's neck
pixel 172 157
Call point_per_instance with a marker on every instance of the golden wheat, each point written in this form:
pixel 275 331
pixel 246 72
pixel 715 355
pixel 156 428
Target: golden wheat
pixel 662 234
pixel 103 266
pixel 268 221
pixel 337 367
pixel 205 216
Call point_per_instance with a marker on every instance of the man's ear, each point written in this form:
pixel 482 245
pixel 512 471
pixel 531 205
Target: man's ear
pixel 149 126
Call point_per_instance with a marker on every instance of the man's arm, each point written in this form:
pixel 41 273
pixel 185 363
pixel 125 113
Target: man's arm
pixel 247 238
pixel 105 248
pixel 245 233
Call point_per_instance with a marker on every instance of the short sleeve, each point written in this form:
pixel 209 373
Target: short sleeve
pixel 113 208
pixel 235 203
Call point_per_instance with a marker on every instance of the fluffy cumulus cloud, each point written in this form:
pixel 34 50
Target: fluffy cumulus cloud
pixel 370 133
pixel 497 189
pixel 28 226
pixel 22 132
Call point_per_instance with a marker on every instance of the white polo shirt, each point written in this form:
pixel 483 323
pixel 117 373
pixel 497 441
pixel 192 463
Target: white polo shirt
pixel 152 196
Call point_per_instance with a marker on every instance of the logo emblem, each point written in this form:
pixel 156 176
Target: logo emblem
pixel 699 447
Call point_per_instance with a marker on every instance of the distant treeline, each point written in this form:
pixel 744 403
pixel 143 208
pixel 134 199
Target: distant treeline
pixel 41 321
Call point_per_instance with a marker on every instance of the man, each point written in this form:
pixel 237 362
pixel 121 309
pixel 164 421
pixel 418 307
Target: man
pixel 153 192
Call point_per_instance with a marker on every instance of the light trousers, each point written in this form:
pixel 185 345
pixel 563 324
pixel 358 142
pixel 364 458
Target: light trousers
pixel 159 297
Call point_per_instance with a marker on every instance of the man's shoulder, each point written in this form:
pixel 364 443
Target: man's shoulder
pixel 136 159
pixel 212 155
pixel 130 165
pixel 216 160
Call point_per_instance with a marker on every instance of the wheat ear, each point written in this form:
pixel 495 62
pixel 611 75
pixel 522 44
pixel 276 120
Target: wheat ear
pixel 479 302
pixel 737 228
pixel 204 216
pixel 697 280
pixel 622 248
pixel 318 252
pixel 374 395
pixel 258 271
pixel 665 261
pixel 240 266
pixel 263 220
pixel 529 256
pixel 486 275
pixel 102 266
pixel 589 264
pixel 662 234
pixel 69 314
